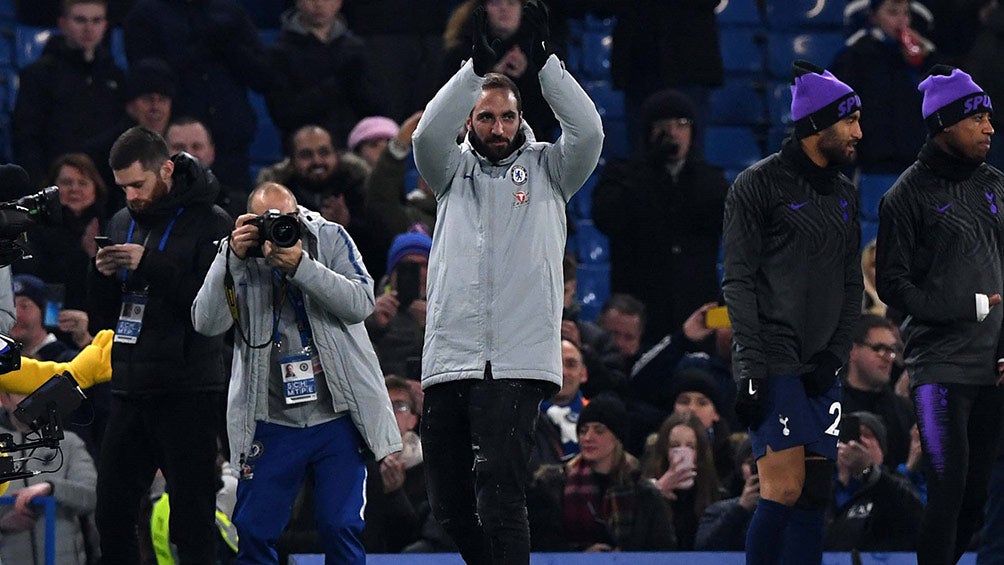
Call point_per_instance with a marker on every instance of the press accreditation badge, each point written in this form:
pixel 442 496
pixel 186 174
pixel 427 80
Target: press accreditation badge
pixel 298 378
pixel 130 318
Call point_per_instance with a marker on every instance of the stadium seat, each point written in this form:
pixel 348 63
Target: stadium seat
pixel 7 10
pixel 818 48
pixel 799 14
pixel 738 13
pixel 116 42
pixel 737 102
pixel 595 62
pixel 775 137
pixel 731 147
pixel 615 139
pixel 266 146
pixel 872 188
pixel 741 50
pixel 609 102
pixel 779 103
pixel 6 50
pixel 593 289
pixel 28 44
pixel 593 246
pixel 580 206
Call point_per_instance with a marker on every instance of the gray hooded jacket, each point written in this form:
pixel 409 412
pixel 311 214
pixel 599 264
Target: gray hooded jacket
pixel 338 295
pixel 495 288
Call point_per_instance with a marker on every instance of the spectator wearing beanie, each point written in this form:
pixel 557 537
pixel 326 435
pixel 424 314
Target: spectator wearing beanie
pixel 150 91
pixel 664 197
pixel 598 500
pixel 940 264
pixel 397 324
pixel 696 392
pixel 793 285
pixel 370 136
pixel 873 509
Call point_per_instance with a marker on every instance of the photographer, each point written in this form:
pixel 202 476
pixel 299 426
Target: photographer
pixel 299 300
pixel 168 382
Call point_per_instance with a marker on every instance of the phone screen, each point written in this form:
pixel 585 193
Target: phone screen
pixel 717 317
pixel 55 294
pixel 102 241
pixel 407 283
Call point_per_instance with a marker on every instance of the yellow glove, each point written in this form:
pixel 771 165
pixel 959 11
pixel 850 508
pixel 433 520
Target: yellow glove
pixel 91 366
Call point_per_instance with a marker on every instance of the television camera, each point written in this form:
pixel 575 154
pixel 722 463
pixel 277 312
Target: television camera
pixel 16 216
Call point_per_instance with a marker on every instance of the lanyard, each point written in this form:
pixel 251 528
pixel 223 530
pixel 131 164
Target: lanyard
pixel 163 239
pixel 295 296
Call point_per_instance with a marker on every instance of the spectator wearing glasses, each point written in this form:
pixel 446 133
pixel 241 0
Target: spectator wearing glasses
pixel 867 386
pixel 665 197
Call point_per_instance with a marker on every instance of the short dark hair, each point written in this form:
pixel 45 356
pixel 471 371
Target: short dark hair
pixel 868 322
pixel 500 81
pixel 625 304
pixel 394 382
pixel 139 144
pixel 67 4
pixel 189 121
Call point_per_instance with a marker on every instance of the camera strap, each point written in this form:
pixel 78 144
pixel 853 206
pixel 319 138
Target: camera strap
pixel 230 292
pixel 295 296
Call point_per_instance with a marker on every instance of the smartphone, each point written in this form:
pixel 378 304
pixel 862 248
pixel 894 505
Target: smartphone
pixel 683 457
pixel 850 429
pixel 407 283
pixel 102 241
pixel 717 317
pixel 55 295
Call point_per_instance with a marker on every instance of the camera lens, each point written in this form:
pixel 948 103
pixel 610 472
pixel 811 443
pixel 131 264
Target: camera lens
pixel 285 231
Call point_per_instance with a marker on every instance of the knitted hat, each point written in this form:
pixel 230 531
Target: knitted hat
pixel 609 411
pixel 406 244
pixel 874 423
pixel 150 76
pixel 818 99
pixel 949 96
pixel 695 380
pixel 373 127
pixel 31 287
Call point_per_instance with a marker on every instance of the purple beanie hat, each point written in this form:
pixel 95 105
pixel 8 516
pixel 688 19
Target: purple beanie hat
pixel 949 96
pixel 819 99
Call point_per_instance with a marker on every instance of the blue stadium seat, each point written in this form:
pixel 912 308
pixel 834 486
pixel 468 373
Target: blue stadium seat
pixel 741 50
pixel 10 83
pixel 593 246
pixel 266 146
pixel 609 102
pixel 799 14
pixel 7 10
pixel 595 50
pixel 116 42
pixel 871 189
pixel 819 48
pixel 779 103
pixel 731 147
pixel 28 44
pixel 6 51
pixel 738 13
pixel 580 207
pixel 593 289
pixel 775 137
pixel 615 139
pixel 738 101
pixel 268 36
pixel 869 231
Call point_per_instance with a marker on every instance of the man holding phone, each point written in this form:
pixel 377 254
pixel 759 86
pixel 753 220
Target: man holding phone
pixel 793 289
pixel 397 325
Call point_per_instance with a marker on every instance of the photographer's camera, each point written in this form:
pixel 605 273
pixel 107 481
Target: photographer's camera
pixel 282 230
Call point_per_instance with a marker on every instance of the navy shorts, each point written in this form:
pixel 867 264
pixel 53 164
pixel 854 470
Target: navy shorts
pixel 794 419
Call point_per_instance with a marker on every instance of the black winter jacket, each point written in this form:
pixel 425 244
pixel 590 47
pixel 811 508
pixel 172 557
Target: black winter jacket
pixel 169 356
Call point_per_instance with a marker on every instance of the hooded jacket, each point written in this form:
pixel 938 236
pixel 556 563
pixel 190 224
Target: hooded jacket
pixel 495 290
pixel 169 356
pixel 338 296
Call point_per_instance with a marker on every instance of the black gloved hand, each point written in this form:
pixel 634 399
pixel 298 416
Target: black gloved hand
pixel 486 51
pixel 820 379
pixel 535 32
pixel 751 401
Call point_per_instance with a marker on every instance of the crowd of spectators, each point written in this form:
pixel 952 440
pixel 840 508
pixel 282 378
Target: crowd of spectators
pixel 640 449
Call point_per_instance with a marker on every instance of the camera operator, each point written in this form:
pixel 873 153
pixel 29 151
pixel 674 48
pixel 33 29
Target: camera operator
pixel 168 381
pixel 303 302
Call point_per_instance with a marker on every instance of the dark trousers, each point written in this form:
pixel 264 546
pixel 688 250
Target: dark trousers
pixel 477 436
pixel 960 426
pixel 992 536
pixel 178 435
